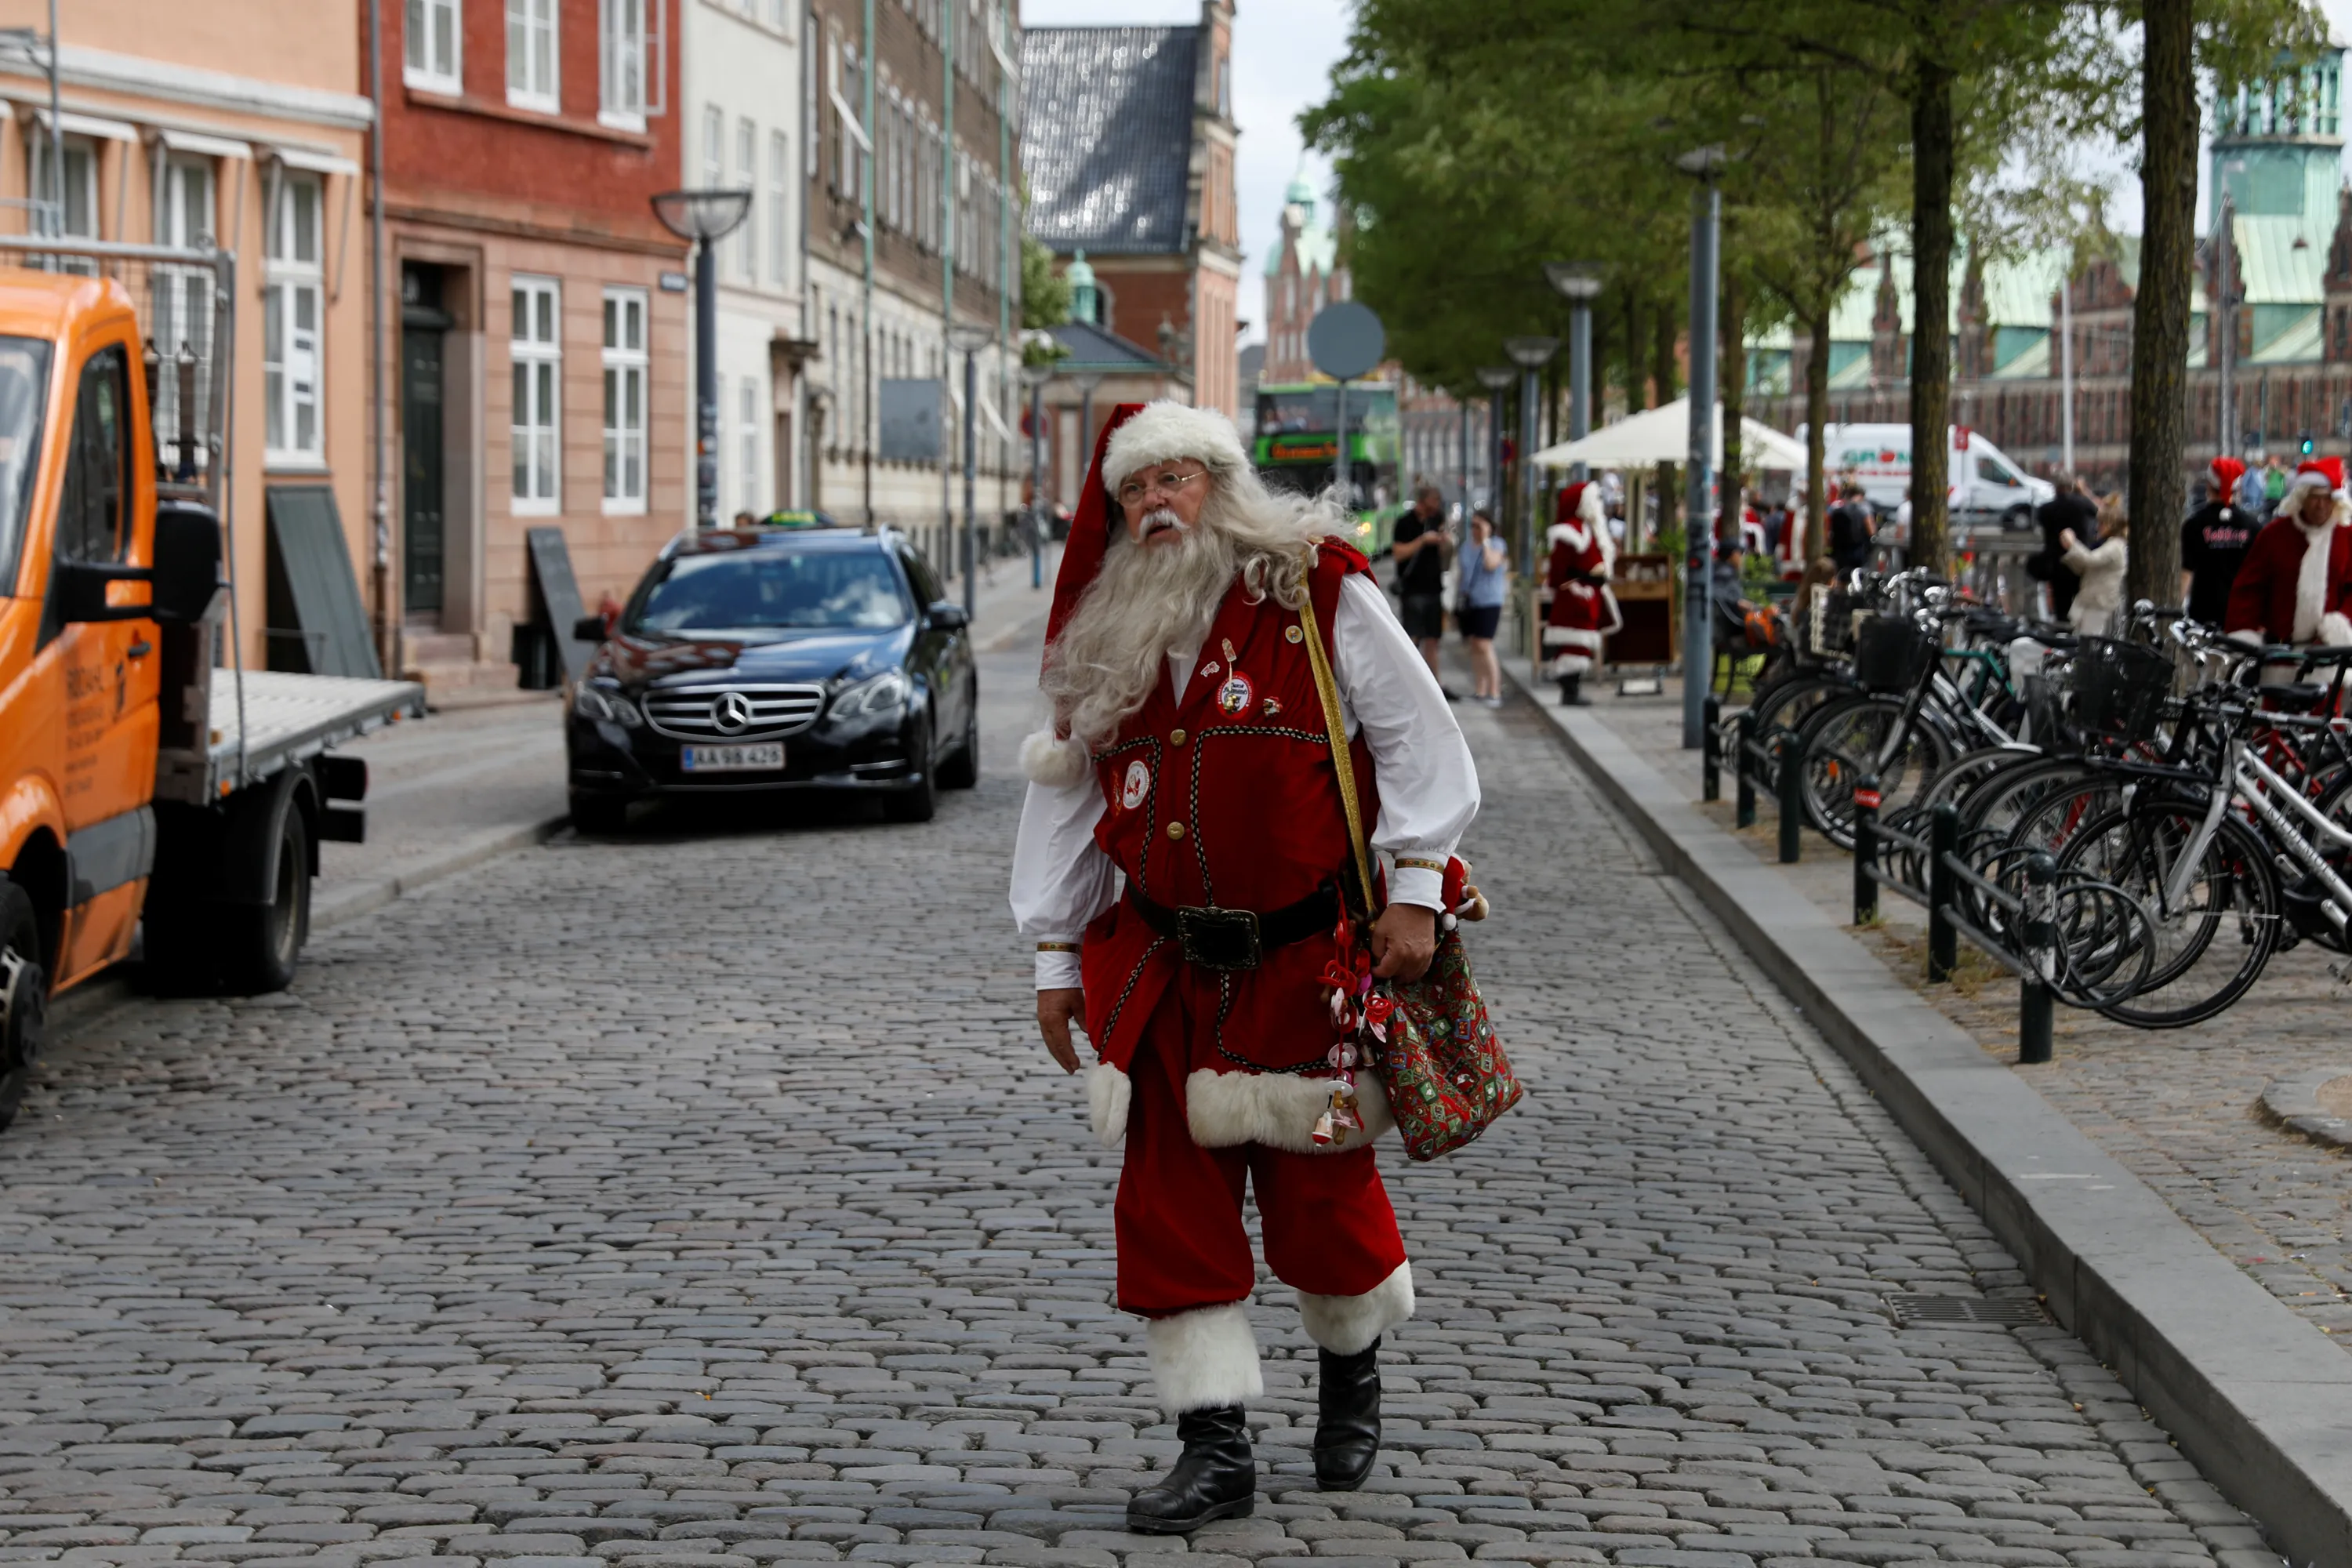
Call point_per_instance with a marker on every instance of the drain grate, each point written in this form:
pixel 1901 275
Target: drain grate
pixel 2007 1311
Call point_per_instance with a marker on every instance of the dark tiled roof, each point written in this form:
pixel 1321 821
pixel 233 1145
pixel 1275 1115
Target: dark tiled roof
pixel 1091 347
pixel 1108 140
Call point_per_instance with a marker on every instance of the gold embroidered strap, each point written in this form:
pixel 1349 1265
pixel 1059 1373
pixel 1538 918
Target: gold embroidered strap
pixel 1328 687
pixel 1419 864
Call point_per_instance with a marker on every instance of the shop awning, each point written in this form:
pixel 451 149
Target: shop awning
pixel 1662 436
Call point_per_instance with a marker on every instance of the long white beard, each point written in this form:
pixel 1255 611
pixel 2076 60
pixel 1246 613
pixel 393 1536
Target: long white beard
pixel 1146 601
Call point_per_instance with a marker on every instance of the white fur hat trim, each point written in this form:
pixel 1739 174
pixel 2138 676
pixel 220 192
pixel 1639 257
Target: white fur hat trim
pixel 1055 760
pixel 1164 430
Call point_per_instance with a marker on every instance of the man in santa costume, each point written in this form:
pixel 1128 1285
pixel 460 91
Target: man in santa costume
pixel 1188 756
pixel 1583 611
pixel 2295 585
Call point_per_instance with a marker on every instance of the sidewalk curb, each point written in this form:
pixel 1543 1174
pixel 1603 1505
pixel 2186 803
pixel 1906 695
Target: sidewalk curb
pixel 362 898
pixel 2254 1394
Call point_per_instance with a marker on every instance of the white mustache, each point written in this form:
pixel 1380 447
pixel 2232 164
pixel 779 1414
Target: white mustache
pixel 1160 517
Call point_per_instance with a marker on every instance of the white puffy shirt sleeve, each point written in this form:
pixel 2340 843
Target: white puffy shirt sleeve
pixel 1061 877
pixel 1428 784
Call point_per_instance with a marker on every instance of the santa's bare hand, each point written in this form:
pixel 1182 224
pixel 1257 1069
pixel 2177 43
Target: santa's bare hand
pixel 1405 939
pixel 1057 1010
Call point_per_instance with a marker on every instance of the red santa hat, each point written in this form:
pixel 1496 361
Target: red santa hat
pixel 2314 474
pixel 1571 498
pixel 2227 472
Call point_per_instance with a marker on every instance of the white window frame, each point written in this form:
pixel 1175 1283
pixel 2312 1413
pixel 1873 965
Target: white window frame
pixel 291 281
pixel 747 178
pixel 535 422
pixel 780 207
pixel 184 310
pixel 422 22
pixel 714 146
pixel 627 364
pixel 747 447
pixel 531 43
pixel 621 55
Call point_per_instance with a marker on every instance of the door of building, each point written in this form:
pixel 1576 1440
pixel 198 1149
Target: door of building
pixel 424 537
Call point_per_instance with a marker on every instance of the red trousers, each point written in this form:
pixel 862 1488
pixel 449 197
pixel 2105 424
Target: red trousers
pixel 1329 1228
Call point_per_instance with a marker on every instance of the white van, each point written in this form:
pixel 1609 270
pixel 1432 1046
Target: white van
pixel 1988 489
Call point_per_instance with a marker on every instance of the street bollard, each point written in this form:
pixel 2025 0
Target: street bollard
pixel 1789 776
pixel 1710 774
pixel 1865 851
pixel 1743 813
pixel 2035 999
pixel 1036 551
pixel 1943 839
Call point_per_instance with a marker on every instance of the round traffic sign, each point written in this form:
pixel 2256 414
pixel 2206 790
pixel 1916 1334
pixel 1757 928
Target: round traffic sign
pixel 1345 339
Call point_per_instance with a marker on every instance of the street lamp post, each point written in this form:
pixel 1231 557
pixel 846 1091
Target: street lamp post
pixel 1086 381
pixel 969 340
pixel 704 218
pixel 1035 377
pixel 1698 506
pixel 1497 379
pixel 1530 354
pixel 1580 282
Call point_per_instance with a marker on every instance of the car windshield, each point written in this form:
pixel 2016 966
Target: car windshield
pixel 761 590
pixel 24 396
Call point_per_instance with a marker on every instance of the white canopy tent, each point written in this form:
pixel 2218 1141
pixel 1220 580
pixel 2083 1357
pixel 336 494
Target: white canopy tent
pixel 1662 436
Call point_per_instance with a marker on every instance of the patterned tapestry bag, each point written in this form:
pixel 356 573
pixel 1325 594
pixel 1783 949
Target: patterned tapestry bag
pixel 1445 1075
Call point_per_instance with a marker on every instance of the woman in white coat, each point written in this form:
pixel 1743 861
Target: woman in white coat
pixel 2101 569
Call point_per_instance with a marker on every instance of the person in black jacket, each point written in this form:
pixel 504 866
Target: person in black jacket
pixel 2214 540
pixel 1853 528
pixel 2073 508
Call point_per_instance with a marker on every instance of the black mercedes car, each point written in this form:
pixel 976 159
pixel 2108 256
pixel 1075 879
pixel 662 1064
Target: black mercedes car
pixel 794 658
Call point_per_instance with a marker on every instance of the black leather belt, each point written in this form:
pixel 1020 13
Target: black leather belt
pixel 1217 938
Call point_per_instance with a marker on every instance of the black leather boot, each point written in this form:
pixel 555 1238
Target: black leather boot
pixel 1572 691
pixel 1215 1477
pixel 1348 1435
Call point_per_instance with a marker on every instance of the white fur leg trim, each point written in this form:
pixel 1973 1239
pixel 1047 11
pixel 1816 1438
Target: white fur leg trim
pixel 1569 664
pixel 1204 1359
pixel 1108 1095
pixel 1054 760
pixel 1345 1325
pixel 1277 1110
pixel 2334 630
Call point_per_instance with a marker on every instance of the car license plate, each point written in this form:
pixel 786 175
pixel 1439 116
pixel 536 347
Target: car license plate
pixel 733 759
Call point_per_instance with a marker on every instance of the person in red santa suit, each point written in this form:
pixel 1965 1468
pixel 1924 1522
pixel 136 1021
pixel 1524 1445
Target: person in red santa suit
pixel 2295 585
pixel 1583 611
pixel 1188 753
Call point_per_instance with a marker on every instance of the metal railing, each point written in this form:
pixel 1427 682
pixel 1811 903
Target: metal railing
pixel 1774 763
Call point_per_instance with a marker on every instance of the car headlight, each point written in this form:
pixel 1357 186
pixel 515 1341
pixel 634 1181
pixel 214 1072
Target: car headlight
pixel 592 703
pixel 885 693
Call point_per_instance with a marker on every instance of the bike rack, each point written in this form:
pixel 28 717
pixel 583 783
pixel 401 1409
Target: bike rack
pixel 1780 754
pixel 2036 967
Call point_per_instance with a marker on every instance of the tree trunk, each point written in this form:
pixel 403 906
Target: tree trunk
pixel 1817 418
pixel 1931 313
pixel 2160 310
pixel 1733 485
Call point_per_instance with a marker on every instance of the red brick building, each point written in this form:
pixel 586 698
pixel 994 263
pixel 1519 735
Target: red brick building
pixel 540 322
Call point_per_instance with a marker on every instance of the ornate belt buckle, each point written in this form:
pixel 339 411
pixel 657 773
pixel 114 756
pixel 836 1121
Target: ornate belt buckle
pixel 1218 939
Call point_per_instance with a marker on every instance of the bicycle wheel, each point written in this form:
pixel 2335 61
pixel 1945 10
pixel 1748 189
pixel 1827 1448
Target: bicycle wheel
pixel 2206 946
pixel 1785 704
pixel 1847 742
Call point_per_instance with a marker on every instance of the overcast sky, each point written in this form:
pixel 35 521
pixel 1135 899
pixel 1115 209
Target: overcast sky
pixel 1283 55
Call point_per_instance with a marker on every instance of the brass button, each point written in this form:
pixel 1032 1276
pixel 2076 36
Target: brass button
pixel 1294 633
pixel 1175 830
pixel 1175 737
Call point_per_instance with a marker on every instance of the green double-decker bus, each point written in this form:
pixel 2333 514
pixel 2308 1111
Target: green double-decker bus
pixel 1297 447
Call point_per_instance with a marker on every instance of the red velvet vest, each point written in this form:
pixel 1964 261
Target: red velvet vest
pixel 1227 797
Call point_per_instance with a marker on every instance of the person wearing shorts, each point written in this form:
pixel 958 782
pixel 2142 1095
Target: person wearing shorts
pixel 1419 552
pixel 1484 572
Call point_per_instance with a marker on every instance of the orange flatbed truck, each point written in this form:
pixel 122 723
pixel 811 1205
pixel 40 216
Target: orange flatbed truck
pixel 148 784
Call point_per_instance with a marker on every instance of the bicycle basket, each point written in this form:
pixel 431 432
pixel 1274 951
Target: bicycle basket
pixel 2119 687
pixel 1827 631
pixel 1890 653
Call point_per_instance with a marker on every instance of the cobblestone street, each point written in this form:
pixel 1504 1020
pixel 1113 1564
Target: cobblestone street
pixel 707 1199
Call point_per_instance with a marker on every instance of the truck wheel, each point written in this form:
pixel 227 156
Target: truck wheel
pixel 263 942
pixel 24 998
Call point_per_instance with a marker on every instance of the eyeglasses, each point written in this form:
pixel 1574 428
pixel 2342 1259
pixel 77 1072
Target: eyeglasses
pixel 1168 481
